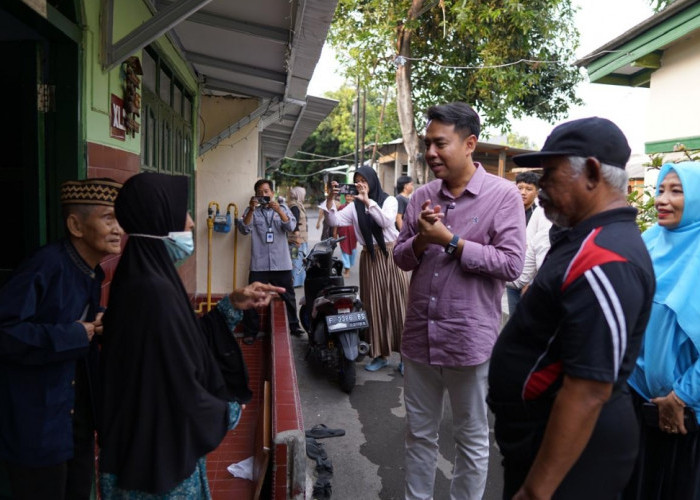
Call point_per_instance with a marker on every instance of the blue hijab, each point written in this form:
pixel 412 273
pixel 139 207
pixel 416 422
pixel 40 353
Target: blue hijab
pixel 675 254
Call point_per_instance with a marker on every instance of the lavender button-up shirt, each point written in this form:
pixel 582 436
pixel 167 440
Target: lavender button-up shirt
pixel 454 305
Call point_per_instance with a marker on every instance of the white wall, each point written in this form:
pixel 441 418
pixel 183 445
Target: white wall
pixel 674 102
pixel 225 174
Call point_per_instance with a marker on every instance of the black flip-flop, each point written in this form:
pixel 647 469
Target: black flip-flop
pixel 322 490
pixel 314 450
pixel 320 431
pixel 324 466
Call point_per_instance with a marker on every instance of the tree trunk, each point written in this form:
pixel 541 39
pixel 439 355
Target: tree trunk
pixel 404 101
pixel 379 127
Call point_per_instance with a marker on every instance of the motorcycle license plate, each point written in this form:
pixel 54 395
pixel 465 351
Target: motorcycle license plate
pixel 347 321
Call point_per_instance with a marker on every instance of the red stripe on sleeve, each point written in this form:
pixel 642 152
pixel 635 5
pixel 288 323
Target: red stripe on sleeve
pixel 541 380
pixel 589 256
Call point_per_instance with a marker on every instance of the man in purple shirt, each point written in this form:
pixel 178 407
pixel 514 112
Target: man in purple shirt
pixel 463 238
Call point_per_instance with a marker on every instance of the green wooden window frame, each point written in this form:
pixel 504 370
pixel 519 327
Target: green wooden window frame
pixel 166 128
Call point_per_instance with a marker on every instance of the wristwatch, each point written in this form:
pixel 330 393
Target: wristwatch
pixel 451 247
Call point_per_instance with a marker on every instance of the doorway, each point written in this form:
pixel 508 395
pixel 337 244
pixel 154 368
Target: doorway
pixel 39 135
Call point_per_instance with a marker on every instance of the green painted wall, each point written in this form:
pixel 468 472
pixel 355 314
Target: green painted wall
pixel 669 145
pixel 99 85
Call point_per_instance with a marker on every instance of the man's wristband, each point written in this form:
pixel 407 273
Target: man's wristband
pixel 451 247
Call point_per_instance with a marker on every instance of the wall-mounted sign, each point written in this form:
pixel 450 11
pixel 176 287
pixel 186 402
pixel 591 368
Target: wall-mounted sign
pixel 116 118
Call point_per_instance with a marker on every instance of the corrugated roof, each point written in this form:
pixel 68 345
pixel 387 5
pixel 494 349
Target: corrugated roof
pixel 631 58
pixel 266 49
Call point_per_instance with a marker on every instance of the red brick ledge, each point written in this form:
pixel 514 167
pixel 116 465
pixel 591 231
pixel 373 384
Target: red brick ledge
pixel 289 444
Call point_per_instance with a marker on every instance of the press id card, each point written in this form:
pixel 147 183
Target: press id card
pixel 269 237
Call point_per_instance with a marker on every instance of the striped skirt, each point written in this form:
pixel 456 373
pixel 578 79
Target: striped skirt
pixel 383 291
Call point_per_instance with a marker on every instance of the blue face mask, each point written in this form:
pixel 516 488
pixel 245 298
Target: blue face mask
pixel 179 244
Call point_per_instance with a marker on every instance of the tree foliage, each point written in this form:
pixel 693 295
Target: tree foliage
pixel 342 120
pixel 480 36
pixel 333 141
pixel 516 140
pixel 659 5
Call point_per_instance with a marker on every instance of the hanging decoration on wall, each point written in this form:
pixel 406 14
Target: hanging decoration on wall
pixel 132 99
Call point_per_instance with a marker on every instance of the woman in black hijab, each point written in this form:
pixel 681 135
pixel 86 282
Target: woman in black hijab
pixel 383 286
pixel 172 384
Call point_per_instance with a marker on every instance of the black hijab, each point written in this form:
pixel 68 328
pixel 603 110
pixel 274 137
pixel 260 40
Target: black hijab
pixel 368 227
pixel 164 401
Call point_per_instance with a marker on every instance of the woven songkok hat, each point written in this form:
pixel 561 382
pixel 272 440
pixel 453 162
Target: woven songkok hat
pixel 90 192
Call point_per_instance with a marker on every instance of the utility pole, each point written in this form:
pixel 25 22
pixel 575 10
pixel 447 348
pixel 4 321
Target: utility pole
pixel 364 123
pixel 356 113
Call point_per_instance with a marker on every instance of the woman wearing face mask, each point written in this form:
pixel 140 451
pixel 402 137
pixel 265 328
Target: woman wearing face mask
pixel 383 286
pixel 172 384
pixel 667 373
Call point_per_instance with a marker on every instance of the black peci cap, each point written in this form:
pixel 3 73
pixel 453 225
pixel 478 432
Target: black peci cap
pixel 594 136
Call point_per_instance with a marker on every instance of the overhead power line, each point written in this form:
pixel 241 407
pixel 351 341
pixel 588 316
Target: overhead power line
pixel 401 60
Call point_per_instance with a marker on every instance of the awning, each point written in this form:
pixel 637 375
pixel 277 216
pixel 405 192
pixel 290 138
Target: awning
pixel 265 49
pixel 631 58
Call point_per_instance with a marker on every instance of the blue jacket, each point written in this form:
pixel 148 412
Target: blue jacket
pixel 40 343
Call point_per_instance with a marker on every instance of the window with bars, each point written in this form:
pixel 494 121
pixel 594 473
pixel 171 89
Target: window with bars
pixel 166 113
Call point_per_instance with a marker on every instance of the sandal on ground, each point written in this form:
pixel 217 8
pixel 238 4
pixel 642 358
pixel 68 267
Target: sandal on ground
pixel 324 467
pixel 322 490
pixel 320 431
pixel 315 450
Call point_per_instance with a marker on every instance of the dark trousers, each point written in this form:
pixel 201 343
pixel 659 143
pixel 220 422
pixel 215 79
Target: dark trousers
pixel 251 319
pixel 35 483
pixel 601 471
pixel 71 480
pixel 668 465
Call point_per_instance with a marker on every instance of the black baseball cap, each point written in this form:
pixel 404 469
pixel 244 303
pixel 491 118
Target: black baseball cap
pixel 594 136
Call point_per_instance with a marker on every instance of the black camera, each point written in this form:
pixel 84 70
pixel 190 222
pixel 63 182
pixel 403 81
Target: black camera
pixel 263 200
pixel 347 189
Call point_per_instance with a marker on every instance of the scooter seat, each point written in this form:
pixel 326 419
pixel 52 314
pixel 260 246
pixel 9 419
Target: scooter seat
pixel 334 290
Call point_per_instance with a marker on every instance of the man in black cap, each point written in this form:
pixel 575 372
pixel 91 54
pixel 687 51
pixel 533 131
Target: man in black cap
pixel 49 315
pixel 564 417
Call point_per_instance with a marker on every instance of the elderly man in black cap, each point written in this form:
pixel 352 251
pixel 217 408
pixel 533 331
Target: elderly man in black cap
pixel 49 314
pixel 564 417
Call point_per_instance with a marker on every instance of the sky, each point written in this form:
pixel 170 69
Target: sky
pixel 598 21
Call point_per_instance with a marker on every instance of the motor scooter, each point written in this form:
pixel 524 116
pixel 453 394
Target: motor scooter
pixel 332 314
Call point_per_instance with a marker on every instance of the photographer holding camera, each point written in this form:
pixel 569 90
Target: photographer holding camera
pixel 269 222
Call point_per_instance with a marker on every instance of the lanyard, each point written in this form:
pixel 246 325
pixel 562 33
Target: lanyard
pixel 268 221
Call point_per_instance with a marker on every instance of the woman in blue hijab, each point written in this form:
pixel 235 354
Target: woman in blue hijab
pixel 667 373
